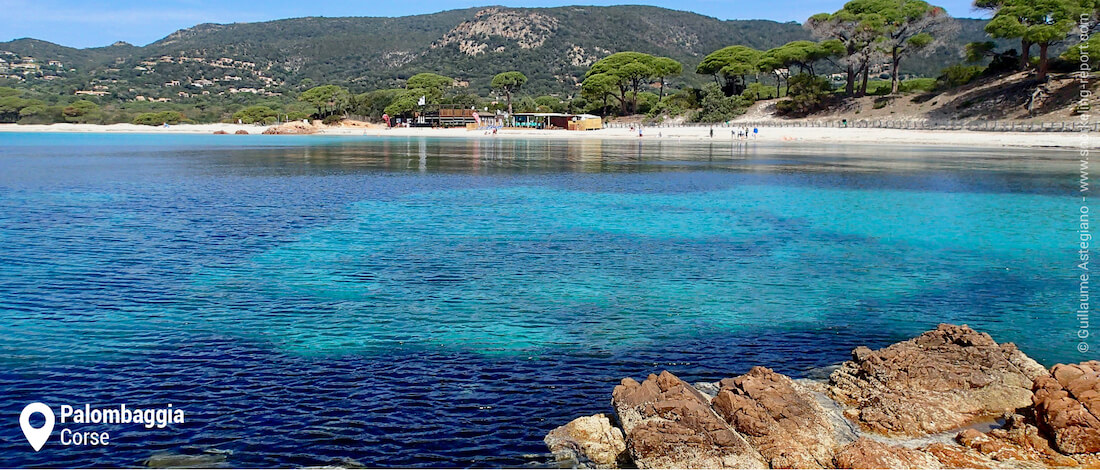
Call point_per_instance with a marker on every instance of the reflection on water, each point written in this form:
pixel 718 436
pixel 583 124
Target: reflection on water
pixel 445 302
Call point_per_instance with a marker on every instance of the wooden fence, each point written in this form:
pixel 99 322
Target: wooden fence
pixel 986 126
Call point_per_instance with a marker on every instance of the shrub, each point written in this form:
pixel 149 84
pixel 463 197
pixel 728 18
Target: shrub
pixel 296 116
pixel 807 94
pixel 958 75
pixel 646 101
pixel 40 113
pixel 254 114
pixel 549 104
pixel 156 119
pixel 758 91
pixel 717 107
pixel 82 111
pixel 332 119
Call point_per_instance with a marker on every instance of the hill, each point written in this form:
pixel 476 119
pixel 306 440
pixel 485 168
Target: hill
pixel 553 46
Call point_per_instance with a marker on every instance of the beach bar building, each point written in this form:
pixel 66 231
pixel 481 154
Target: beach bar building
pixel 573 122
pixel 450 115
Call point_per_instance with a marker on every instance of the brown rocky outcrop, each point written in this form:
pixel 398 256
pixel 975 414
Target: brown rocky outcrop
pixel 241 132
pixel 956 456
pixel 669 424
pixel 588 442
pixel 779 417
pixel 220 132
pixel 291 128
pixel 897 407
pixel 869 453
pixel 1067 406
pixel 1018 441
pixel 943 379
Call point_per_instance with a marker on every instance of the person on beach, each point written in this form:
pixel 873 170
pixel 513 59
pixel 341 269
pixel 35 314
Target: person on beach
pixel 712 132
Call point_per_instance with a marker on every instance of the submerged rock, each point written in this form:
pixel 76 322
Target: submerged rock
pixel 780 417
pixel 669 424
pixel 588 442
pixel 172 460
pixel 944 379
pixel 1067 405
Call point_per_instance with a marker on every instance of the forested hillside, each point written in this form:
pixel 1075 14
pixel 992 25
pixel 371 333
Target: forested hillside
pixel 552 46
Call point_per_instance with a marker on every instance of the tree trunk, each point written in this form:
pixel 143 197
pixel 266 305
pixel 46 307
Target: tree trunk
pixel 622 99
pixel 662 88
pixel 1043 60
pixel 508 95
pixel 863 86
pixel 1025 54
pixel 634 102
pixel 895 79
pixel 778 82
pixel 850 87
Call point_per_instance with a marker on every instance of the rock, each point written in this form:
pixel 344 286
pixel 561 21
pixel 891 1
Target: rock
pixel 220 132
pixel 589 442
pixel 869 453
pixel 708 389
pixel 669 424
pixel 944 379
pixel 955 456
pixel 779 417
pixel 294 127
pixel 172 460
pixel 1067 406
pixel 241 132
pixel 1018 441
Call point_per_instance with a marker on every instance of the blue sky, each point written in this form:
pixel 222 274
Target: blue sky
pixel 88 23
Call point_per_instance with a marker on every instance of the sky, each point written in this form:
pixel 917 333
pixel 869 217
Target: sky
pixel 91 23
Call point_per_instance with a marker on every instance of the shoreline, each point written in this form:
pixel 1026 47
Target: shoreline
pixel 956 138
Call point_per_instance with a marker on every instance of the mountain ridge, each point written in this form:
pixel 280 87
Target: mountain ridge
pixel 553 46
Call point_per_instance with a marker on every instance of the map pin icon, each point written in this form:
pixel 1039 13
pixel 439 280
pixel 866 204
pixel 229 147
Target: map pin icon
pixel 36 436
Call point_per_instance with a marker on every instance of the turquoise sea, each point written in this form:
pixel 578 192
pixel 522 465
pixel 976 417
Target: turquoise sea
pixel 446 302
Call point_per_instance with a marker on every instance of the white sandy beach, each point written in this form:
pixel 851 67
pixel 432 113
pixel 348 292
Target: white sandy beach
pixel 767 134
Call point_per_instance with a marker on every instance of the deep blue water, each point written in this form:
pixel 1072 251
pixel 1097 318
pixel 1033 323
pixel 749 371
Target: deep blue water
pixel 404 302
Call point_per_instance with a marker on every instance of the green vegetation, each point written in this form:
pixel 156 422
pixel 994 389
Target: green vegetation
pixel 807 94
pixel 622 75
pixel 717 107
pixel 256 114
pixel 958 75
pixel 616 61
pixel 158 119
pixel 509 83
pixel 328 99
pixel 729 66
pixel 1035 23
pixel 1090 48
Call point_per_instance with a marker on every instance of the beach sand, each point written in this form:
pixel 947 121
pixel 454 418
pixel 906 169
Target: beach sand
pixel 767 134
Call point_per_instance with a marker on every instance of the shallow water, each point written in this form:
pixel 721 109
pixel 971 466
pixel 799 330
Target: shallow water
pixel 434 302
